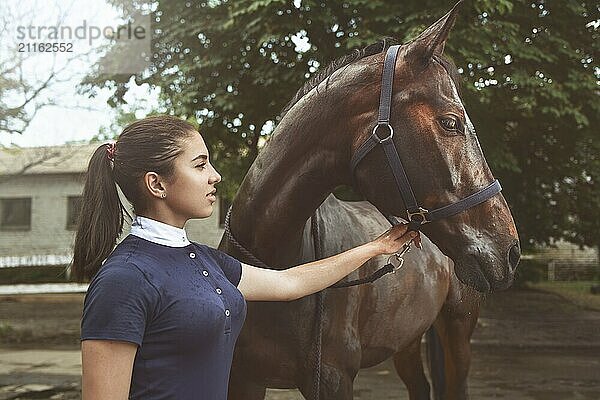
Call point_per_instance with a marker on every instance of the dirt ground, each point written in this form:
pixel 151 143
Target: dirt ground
pixel 528 345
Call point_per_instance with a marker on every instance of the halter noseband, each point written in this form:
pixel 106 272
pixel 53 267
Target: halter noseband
pixel 416 214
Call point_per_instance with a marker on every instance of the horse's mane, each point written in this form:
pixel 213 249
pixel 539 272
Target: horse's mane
pixel 356 55
pixel 335 65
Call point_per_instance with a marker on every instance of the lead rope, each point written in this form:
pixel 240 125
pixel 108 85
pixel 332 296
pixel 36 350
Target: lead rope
pixel 255 261
pixel 319 315
pixel 314 226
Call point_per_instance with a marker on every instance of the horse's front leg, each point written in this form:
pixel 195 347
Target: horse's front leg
pixel 409 366
pixel 455 325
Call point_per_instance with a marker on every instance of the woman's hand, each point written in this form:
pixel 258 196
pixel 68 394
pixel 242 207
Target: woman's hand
pixel 392 240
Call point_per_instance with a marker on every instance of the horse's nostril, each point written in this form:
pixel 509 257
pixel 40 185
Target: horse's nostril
pixel 514 255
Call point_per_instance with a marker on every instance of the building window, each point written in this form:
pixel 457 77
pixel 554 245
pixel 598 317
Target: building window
pixel 223 208
pixel 16 214
pixel 73 211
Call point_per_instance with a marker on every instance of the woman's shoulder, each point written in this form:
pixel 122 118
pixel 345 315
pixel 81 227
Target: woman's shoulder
pixel 127 265
pixel 135 250
pixel 230 266
pixel 217 255
pixel 119 302
pixel 124 273
pixel 208 249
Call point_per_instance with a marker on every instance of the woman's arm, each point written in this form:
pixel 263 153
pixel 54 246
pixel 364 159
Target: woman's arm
pixel 107 366
pixel 261 284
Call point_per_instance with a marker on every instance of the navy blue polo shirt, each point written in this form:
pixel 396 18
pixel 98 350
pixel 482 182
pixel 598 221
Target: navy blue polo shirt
pixel 180 305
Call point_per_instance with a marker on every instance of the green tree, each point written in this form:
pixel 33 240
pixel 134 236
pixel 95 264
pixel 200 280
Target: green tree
pixel 530 85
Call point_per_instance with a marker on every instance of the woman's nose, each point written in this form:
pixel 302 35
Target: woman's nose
pixel 216 177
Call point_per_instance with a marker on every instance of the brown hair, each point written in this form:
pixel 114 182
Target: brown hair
pixel 150 144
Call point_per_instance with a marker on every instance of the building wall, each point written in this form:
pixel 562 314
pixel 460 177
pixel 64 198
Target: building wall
pixel 49 235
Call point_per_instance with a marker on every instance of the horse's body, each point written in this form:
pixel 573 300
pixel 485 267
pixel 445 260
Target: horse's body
pixel 279 340
pixel 307 157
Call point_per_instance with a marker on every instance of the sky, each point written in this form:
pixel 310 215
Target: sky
pixel 73 116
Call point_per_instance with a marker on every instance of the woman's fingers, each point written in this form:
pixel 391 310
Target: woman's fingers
pixel 394 238
pixel 398 231
pixel 417 241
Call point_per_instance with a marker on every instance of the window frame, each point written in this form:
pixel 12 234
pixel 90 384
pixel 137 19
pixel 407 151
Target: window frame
pixel 15 228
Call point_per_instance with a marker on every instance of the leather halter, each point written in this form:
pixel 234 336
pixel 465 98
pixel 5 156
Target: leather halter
pixel 416 214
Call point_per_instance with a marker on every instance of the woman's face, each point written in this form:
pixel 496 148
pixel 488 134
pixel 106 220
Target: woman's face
pixel 191 190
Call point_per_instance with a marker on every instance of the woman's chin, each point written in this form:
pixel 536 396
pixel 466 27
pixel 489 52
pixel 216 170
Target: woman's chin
pixel 204 213
pixel 208 211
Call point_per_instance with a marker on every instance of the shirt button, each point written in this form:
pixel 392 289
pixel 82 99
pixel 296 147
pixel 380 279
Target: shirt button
pixel 227 312
pixel 192 255
pixel 205 273
pixel 219 291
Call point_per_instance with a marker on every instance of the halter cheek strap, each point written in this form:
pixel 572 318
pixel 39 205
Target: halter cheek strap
pixel 383 134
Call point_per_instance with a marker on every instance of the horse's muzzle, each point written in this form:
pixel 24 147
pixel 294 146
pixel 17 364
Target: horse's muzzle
pixel 485 272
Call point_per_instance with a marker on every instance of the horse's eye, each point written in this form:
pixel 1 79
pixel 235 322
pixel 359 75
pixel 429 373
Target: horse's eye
pixel 451 124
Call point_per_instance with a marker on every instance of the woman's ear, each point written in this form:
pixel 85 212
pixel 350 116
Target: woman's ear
pixel 154 184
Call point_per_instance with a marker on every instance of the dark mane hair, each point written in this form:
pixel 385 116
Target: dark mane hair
pixel 356 55
pixel 335 65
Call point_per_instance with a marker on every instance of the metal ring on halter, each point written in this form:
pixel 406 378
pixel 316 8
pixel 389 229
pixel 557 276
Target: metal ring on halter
pixel 387 125
pixel 422 213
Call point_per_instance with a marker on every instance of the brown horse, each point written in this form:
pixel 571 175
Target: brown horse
pixel 307 157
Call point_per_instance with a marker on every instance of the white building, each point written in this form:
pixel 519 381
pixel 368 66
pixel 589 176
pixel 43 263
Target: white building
pixel 40 197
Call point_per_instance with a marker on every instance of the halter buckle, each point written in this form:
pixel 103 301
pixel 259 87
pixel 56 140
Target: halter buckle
pixel 387 125
pixel 422 213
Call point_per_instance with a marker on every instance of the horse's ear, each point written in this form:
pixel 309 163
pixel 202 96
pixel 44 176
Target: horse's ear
pixel 432 40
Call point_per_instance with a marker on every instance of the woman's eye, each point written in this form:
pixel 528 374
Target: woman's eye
pixel 201 166
pixel 451 124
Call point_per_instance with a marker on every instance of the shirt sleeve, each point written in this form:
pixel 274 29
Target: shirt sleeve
pixel 118 305
pixel 232 267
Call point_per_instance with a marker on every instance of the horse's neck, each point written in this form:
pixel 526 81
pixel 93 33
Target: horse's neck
pixel 288 181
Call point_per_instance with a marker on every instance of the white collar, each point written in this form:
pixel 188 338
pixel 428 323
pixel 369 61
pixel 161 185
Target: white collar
pixel 159 232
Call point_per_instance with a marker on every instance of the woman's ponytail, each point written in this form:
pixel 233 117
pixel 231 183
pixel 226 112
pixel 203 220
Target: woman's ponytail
pixel 102 216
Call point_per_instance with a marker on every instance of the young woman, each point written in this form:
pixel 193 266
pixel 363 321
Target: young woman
pixel 162 314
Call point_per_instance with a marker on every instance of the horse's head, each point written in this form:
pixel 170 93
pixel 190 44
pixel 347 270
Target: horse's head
pixel 440 152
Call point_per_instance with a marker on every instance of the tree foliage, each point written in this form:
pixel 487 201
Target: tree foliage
pixel 530 85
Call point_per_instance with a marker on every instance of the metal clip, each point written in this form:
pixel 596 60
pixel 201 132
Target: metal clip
pixel 405 249
pixel 396 262
pixel 397 259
